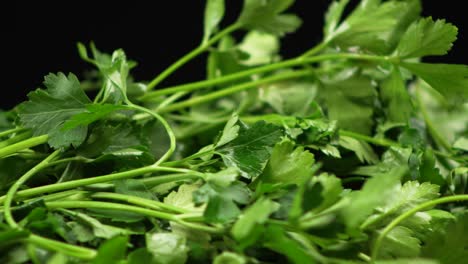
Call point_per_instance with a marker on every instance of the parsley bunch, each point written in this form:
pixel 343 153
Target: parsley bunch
pixel 353 152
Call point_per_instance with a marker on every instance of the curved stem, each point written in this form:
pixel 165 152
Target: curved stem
pixel 130 208
pixel 402 217
pixel 12 131
pixel 64 248
pixel 152 204
pixel 14 188
pixel 167 127
pixel 314 50
pixel 376 141
pixel 28 143
pixel 189 56
pixel 62 186
pixel 16 138
pixel 234 89
pixel 153 181
pixel 262 69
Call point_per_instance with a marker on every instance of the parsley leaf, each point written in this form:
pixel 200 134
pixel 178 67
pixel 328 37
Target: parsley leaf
pixel 250 151
pixel 214 12
pixel 450 80
pixel 288 164
pixel 350 103
pixel 48 110
pixel 268 16
pixel 396 98
pixel 427 37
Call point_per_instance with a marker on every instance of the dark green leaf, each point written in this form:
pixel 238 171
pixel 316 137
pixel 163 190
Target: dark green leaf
pixel 277 239
pixel 250 151
pixel 48 110
pixel 449 243
pixel 112 250
pixel 93 113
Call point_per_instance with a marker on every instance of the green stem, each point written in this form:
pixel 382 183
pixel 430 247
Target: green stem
pixel 153 181
pixel 234 89
pixel 16 138
pixel 62 186
pixel 167 127
pixel 109 206
pixel 14 188
pixel 376 141
pixel 314 50
pixel 12 131
pixel 262 69
pixel 189 56
pixel 28 143
pixel 129 208
pixel 67 249
pixel 66 160
pixel 152 204
pixel 402 217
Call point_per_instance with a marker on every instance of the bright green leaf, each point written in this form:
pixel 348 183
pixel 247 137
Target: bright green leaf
pixel 400 243
pixel 253 216
pixel 268 16
pixel 427 37
pixel 450 80
pixel 214 12
pixel 396 98
pixel 167 248
pixel 288 164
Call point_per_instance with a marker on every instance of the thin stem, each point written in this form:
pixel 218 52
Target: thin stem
pixel 153 181
pixel 14 188
pixel 167 127
pixel 62 186
pixel 402 217
pixel 314 50
pixel 262 69
pixel 170 100
pixel 16 138
pixel 66 160
pixel 376 141
pixel 152 204
pixel 12 131
pixel 28 143
pixel 64 248
pixel 130 208
pixel 234 89
pixel 189 56
pixel 109 206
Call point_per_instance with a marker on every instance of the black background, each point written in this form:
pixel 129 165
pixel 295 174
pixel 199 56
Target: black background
pixel 154 33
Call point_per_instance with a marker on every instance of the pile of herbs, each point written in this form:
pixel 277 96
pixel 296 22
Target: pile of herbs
pixel 353 152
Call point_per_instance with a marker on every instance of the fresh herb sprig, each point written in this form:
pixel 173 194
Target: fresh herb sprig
pixel 354 151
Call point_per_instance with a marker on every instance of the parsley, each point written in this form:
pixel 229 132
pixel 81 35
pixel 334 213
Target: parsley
pixel 353 152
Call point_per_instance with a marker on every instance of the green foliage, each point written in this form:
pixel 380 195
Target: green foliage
pixel 353 152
